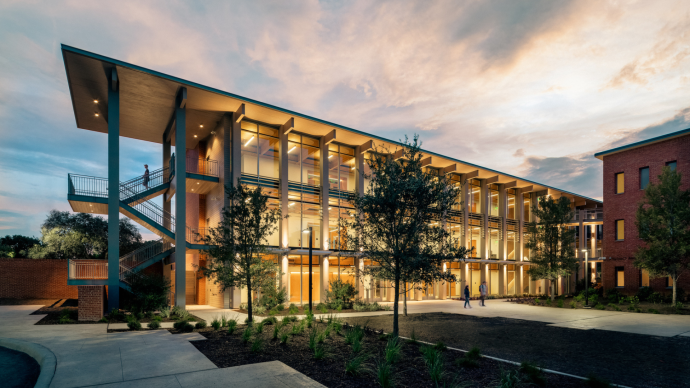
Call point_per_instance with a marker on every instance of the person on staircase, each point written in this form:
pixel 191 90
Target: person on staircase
pixel 146 176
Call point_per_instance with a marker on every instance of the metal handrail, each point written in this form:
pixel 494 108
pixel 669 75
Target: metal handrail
pixel 196 235
pixel 202 166
pixel 87 269
pixel 144 253
pixel 136 186
pixel 87 185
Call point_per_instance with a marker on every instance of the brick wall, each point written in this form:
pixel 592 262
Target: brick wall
pixel 623 207
pixel 35 279
pixel 91 302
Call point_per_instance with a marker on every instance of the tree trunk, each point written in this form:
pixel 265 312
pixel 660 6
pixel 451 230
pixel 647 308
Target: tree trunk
pixel 675 281
pixel 553 289
pixel 395 304
pixel 249 298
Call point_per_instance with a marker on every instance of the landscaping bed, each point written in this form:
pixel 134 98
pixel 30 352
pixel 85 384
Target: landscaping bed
pixel 28 302
pixel 68 313
pixel 226 349
pixel 634 360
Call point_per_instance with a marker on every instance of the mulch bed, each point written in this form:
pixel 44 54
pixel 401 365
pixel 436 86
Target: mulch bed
pixel 70 306
pixel 645 307
pixel 303 311
pixel 227 350
pixel 634 360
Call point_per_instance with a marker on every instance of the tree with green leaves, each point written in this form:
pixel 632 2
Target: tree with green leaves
pixel 663 224
pixel 397 222
pixel 550 241
pixel 239 243
pixel 19 244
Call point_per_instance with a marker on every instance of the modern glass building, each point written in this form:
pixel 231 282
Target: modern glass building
pixel 310 169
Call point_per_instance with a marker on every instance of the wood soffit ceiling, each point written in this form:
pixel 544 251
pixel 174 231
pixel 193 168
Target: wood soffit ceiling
pixel 147 104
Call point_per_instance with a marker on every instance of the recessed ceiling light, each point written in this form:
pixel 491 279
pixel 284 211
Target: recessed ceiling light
pixel 95 101
pixel 194 135
pixel 197 183
pixel 201 125
pixel 96 114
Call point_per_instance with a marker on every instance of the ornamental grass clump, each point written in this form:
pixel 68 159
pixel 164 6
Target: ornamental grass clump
pixel 165 312
pixel 357 366
pixel 247 335
pixel 257 345
pixel 384 374
pixel 200 325
pixel 232 324
pixel 533 373
pixel 284 338
pixel 293 309
pixel 319 352
pixel 392 350
pixel 216 324
pixel 276 331
pixel 433 359
pixel 259 327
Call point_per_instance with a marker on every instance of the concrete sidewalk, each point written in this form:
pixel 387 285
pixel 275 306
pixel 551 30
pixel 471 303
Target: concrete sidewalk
pixel 583 319
pixel 88 356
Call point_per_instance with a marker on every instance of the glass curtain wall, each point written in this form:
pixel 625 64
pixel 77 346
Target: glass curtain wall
pixel 304 199
pixel 493 200
pixel 494 239
pixel 510 279
pixel 475 196
pixel 511 241
pixel 260 159
pixel 342 177
pixel 527 207
pixel 511 214
pixel 493 279
pixel 298 281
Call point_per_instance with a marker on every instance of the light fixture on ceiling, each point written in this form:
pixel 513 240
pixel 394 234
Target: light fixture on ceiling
pixel 330 156
pixel 194 135
pixel 197 183
pixel 249 141
pixel 201 125
pixel 95 101
pixel 96 114
pixel 292 149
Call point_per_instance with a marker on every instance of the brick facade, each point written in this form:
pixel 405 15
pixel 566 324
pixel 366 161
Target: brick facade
pixel 624 206
pixel 35 279
pixel 91 302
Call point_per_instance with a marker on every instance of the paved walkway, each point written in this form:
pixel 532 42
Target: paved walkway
pixel 584 319
pixel 88 356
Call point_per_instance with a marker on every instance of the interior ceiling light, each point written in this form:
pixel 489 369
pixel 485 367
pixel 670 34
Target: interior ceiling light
pixel 292 149
pixel 249 141
pixel 95 101
pixel 194 135
pixel 201 125
pixel 330 156
pixel 96 114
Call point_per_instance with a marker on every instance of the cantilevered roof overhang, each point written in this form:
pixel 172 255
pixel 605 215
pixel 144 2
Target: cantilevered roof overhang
pixel 147 102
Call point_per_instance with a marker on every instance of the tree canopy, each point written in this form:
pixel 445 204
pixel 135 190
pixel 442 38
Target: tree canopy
pixel 550 241
pixel 663 224
pixel 18 243
pixel 239 243
pixel 398 221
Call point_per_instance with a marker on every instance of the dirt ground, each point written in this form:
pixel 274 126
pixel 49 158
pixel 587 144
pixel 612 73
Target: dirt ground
pixel 629 359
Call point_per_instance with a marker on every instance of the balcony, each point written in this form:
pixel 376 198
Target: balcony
pixel 588 215
pixel 202 166
pixel 592 254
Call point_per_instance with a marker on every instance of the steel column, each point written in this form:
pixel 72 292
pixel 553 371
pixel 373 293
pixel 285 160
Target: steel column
pixel 113 191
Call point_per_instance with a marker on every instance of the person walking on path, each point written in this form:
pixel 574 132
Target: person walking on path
pixel 482 292
pixel 146 176
pixel 467 296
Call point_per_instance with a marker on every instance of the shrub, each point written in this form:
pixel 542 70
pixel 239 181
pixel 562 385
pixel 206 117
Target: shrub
pixel 678 307
pixel 595 381
pixel 613 306
pixel 243 306
pixel 154 325
pixel 201 325
pixel 654 311
pixel 182 313
pixel 280 307
pixel 357 366
pixel 215 324
pixel 359 307
pixel 613 295
pixel 471 358
pixel 134 324
pixel 599 306
pixel 270 321
pixel 384 374
pixel 533 373
pixel 392 350
pixel 273 312
pixel 103 320
pixel 434 363
pixel 259 309
pixel 643 293
pixel 179 325
pixel 560 303
pixel 319 352
pixel 340 293
pixel 247 334
pixel 149 292
pixel 655 297
pixel 293 309
pixel 573 305
pixel 257 345
pixel 548 302
pixel 232 324
pixel 188 327
pixel 272 296
pixel 165 312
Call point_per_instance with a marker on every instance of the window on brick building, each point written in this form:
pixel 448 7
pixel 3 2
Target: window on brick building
pixel 620 230
pixel 669 282
pixel 620 276
pixel 644 178
pixel 620 183
pixel 671 165
pixel 644 278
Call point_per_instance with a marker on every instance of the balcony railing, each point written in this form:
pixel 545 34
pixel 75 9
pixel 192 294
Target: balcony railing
pixel 591 253
pixel 87 185
pixel 196 235
pixel 202 166
pixel 87 269
pixel 589 215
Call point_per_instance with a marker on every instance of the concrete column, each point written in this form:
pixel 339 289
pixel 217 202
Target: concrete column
pixel 285 276
pixel 325 187
pixel 518 280
pixel 465 214
pixel 226 180
pixel 181 200
pixel 502 279
pixel 166 198
pixel 503 213
pixel 323 279
pixel 593 244
pixel 582 243
pixel 113 191
pixel 520 238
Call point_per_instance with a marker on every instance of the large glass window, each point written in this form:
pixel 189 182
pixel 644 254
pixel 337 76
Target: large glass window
pixel 341 168
pixel 475 200
pixel 493 200
pixel 304 198
pixel 494 239
pixel 474 235
pixel 339 209
pixel 298 279
pixel 301 216
pixel 260 150
pixel 644 278
pixel 511 240
pixel 620 183
pixel 510 211
pixel 644 178
pixel 671 165
pixel 620 277
pixel 525 250
pixel 526 207
pixel 455 181
pixel 510 279
pixel 304 165
pixel 454 227
pixel 493 279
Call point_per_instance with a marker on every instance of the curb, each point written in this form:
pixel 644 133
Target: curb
pixel 44 356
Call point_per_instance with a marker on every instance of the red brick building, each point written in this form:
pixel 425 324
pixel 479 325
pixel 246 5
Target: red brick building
pixel 627 171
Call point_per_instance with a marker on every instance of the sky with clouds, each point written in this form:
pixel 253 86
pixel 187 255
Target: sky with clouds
pixel 531 88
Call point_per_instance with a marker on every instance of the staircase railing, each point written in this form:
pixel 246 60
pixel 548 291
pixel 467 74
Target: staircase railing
pixel 144 253
pixel 87 269
pixel 136 185
pixel 87 185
